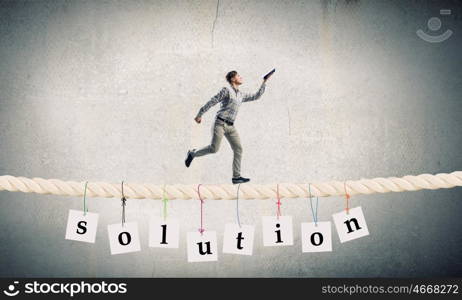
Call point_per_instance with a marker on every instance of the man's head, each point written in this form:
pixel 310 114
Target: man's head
pixel 234 78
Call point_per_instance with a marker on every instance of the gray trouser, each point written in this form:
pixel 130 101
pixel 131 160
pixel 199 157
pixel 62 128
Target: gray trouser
pixel 219 129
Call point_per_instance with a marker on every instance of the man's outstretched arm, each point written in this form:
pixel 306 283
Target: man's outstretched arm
pixel 251 97
pixel 215 99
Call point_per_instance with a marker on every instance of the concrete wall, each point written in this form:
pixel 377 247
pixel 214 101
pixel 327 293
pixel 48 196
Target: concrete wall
pixel 107 91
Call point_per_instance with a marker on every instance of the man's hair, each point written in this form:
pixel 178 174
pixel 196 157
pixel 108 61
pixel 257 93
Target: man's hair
pixel 230 76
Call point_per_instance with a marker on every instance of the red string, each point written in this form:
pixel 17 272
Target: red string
pixel 278 203
pixel 347 196
pixel 201 230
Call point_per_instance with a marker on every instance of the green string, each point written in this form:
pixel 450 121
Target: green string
pixel 165 200
pixel 85 209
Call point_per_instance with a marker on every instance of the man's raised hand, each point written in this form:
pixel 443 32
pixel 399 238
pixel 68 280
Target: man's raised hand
pixel 198 119
pixel 267 76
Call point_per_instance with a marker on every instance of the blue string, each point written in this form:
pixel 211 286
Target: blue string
pixel 315 213
pixel 237 206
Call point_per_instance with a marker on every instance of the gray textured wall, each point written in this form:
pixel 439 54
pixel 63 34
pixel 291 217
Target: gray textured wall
pixel 107 91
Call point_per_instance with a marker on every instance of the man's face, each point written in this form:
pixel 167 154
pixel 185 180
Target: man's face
pixel 237 79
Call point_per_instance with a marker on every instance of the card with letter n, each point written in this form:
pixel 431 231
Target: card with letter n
pixel 81 227
pixel 351 225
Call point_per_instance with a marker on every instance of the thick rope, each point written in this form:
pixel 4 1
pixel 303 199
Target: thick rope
pixel 228 191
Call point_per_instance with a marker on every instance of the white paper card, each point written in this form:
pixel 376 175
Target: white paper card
pixel 164 234
pixel 350 226
pixel 81 227
pixel 124 239
pixel 277 232
pixel 316 238
pixel 202 247
pixel 238 239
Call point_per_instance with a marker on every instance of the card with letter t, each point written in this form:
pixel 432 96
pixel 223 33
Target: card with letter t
pixel 238 239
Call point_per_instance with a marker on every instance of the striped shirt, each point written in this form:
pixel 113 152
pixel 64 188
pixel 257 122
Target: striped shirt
pixel 230 99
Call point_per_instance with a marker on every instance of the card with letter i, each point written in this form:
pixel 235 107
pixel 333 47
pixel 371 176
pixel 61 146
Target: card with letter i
pixel 277 231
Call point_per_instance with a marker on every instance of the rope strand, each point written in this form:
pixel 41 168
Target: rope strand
pixel 226 191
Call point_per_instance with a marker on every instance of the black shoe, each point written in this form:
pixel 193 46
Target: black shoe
pixel 189 158
pixel 240 180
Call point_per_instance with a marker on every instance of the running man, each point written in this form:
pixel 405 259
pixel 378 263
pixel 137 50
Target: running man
pixel 231 98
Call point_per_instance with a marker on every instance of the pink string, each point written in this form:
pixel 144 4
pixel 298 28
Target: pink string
pixel 278 203
pixel 347 197
pixel 201 230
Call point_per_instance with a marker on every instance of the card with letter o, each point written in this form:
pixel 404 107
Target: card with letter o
pixel 124 239
pixel 316 237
